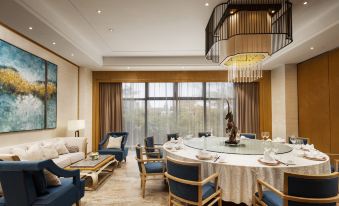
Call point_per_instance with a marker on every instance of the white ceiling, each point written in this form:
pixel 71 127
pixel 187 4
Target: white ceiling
pixel 153 34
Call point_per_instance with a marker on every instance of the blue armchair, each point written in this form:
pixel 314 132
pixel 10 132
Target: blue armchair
pixel 300 190
pixel 120 153
pixel 249 135
pixel 173 135
pixel 24 184
pixel 185 184
pixel 204 134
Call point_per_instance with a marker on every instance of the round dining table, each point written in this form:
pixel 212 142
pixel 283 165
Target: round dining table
pixel 238 166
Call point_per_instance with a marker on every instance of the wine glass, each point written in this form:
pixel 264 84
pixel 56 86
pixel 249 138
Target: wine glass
pixel 293 139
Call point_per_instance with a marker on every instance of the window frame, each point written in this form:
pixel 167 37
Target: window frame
pixel 175 98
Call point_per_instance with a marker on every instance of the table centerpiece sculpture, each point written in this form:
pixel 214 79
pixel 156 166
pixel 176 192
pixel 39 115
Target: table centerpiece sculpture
pixel 231 129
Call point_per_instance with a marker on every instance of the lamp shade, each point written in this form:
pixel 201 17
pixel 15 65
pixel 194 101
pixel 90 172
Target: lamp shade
pixel 75 125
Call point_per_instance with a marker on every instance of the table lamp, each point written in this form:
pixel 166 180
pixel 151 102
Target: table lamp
pixel 75 126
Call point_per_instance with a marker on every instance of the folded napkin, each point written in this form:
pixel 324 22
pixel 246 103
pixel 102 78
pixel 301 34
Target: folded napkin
pixel 243 137
pixel 268 155
pixel 279 139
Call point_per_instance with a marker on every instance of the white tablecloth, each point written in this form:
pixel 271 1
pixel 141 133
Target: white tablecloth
pixel 237 176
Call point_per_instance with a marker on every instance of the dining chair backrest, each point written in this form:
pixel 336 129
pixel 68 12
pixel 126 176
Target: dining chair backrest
pixel 249 135
pixel 204 134
pixel 138 151
pixel 185 171
pixel 149 144
pixel 173 135
pixel 304 186
pixel 303 139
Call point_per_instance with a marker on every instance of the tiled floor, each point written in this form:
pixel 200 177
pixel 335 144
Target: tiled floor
pixel 123 189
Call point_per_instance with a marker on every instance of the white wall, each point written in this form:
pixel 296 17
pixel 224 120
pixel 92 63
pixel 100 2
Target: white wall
pixel 85 103
pixel 278 102
pixel 67 92
pixel 284 101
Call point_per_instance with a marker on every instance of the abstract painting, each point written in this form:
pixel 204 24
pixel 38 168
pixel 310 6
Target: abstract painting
pixel 28 90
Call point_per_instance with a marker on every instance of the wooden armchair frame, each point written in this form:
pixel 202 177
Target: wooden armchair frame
pixel 177 201
pixel 143 174
pixel 257 200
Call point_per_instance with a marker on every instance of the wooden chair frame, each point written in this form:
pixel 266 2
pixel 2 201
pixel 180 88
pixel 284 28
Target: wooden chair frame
pixel 257 200
pixel 144 175
pixel 334 159
pixel 255 135
pixel 177 201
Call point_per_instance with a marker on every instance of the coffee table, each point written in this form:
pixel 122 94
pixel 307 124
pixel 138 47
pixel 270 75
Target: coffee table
pixel 95 172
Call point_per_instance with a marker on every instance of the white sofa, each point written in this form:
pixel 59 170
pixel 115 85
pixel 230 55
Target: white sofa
pixel 63 160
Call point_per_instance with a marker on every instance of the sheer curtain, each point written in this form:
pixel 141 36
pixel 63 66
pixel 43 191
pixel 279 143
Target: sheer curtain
pixel 161 113
pixel 190 109
pixel 134 112
pixel 216 106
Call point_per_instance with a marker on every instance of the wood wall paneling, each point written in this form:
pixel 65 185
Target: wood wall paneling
pixel 265 103
pixel 334 99
pixel 314 102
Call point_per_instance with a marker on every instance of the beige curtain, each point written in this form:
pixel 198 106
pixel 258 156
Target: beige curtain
pixel 110 108
pixel 247 107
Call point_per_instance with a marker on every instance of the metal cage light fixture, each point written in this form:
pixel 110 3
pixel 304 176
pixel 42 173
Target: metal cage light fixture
pixel 242 34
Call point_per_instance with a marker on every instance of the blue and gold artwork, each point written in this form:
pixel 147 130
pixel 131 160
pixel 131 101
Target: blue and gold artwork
pixel 28 90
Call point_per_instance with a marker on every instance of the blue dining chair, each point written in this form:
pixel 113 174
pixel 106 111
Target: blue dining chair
pixel 300 190
pixel 249 135
pixel 173 135
pixel 24 184
pixel 204 134
pixel 148 168
pixel 304 139
pixel 151 150
pixel 186 185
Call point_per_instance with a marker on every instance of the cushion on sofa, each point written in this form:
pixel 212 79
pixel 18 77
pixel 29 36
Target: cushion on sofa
pixel 49 152
pixel 61 147
pixel 33 153
pixel 62 161
pixel 74 157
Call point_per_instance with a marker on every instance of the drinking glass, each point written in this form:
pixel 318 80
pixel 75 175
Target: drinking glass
pixel 293 139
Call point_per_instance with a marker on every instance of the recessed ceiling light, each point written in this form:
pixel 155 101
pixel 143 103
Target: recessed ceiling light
pixel 110 29
pixel 272 11
pixel 72 55
pixel 231 12
pixel 128 68
pixel 312 48
pixel 207 4
pixel 182 67
pixel 30 28
pixel 53 43
pixel 99 11
pixel 305 2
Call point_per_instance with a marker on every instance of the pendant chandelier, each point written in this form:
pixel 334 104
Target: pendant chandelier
pixel 242 34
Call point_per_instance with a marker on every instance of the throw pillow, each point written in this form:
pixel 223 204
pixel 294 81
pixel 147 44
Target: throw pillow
pixel 49 152
pixel 21 153
pixel 51 179
pixel 33 153
pixel 72 148
pixel 61 148
pixel 114 142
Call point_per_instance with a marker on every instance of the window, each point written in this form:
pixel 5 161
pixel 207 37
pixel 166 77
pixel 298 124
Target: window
pixel 156 109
